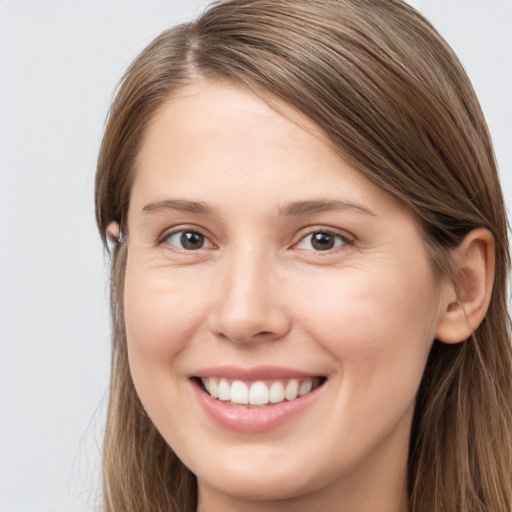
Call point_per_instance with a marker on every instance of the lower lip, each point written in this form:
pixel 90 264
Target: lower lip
pixel 257 419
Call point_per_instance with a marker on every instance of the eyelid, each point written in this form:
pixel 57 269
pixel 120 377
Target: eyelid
pixel 346 237
pixel 209 244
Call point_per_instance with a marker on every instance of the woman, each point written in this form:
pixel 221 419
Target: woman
pixel 308 280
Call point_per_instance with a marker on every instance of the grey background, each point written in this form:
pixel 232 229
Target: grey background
pixel 59 64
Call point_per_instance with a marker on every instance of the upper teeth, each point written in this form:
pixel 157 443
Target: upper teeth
pixel 259 392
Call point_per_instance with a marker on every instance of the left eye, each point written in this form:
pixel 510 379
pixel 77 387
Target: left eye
pixel 321 241
pixel 188 240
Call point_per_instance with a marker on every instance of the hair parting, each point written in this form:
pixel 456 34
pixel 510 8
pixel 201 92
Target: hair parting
pixel 396 103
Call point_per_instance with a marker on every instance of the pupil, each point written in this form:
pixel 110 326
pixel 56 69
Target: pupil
pixel 322 241
pixel 191 240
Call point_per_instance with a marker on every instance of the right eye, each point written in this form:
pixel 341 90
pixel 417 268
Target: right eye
pixel 187 240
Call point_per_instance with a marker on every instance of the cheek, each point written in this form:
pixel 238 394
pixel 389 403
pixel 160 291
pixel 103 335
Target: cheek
pixel 378 329
pixel 378 326
pixel 360 302
pixel 160 318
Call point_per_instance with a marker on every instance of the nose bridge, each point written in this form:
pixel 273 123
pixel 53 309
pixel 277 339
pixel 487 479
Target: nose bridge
pixel 246 307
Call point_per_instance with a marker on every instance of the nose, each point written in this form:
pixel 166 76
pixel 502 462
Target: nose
pixel 248 304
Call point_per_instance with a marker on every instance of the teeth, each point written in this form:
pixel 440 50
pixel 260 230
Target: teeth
pixel 276 394
pixel 213 388
pixel 292 390
pixel 239 392
pixel 305 387
pixel 258 393
pixel 224 390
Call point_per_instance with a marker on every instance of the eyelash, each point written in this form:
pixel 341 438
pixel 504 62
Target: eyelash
pixel 336 236
pixel 343 240
pixel 165 239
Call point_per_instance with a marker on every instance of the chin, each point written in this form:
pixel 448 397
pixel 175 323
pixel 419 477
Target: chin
pixel 260 478
pixel 252 486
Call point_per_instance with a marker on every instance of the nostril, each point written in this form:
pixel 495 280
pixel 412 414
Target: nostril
pixel 244 334
pixel 265 334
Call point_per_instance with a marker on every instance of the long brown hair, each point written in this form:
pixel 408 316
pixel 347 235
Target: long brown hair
pixel 396 102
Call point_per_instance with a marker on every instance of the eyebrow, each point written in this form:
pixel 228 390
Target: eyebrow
pixel 179 205
pixel 323 205
pixel 291 209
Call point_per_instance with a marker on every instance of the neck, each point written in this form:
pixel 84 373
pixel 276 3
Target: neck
pixel 327 502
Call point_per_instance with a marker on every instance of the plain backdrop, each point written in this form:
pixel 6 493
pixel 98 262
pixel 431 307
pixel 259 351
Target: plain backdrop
pixel 59 65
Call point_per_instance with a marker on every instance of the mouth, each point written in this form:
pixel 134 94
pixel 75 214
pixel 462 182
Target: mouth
pixel 258 393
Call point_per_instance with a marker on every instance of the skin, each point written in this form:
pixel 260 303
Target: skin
pixel 362 314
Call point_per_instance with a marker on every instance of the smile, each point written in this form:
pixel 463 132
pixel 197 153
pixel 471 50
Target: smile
pixel 258 399
pixel 259 393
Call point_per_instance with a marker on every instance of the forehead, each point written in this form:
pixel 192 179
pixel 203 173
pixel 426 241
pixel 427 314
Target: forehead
pixel 220 142
pixel 217 117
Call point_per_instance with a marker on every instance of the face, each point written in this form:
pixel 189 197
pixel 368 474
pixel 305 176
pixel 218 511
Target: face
pixel 279 307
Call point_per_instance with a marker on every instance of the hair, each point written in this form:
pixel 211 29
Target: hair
pixel 397 104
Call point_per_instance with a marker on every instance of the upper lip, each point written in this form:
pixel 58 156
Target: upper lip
pixel 254 373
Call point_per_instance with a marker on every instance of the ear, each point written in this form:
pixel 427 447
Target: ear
pixel 113 231
pixel 465 302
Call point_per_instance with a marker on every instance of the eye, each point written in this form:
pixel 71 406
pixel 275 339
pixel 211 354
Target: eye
pixel 188 240
pixel 322 241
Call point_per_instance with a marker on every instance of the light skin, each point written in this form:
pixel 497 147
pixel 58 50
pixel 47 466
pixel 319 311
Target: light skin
pixel 296 261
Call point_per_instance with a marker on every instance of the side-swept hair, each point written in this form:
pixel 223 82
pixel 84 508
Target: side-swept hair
pixel 396 102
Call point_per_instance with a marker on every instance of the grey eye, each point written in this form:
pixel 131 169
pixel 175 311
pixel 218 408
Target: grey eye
pixel 321 241
pixel 188 240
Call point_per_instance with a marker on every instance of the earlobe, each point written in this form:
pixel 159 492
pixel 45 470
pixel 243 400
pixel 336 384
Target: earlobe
pixel 465 302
